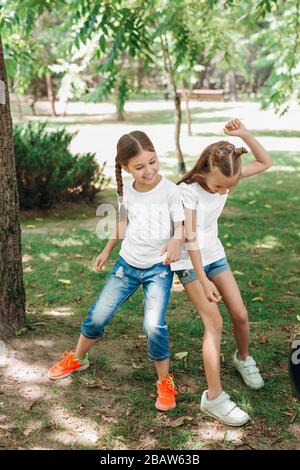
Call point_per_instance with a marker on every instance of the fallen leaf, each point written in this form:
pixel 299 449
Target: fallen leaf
pixel 64 281
pixel 27 407
pixel 270 269
pixel 109 419
pixel 30 226
pixel 258 299
pixel 289 413
pixel 267 206
pixel 262 339
pixel 180 421
pixel 93 383
pixel 252 202
pixel 181 355
pixel 229 244
pixel 298 317
pixel 136 366
pixel 21 332
pixel 239 273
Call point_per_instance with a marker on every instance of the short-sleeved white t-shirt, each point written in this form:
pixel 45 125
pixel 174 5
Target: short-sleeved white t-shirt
pixel 151 217
pixel 208 208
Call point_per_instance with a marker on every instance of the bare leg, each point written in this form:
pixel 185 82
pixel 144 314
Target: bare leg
pixel 83 346
pixel 229 290
pixel 213 324
pixel 162 368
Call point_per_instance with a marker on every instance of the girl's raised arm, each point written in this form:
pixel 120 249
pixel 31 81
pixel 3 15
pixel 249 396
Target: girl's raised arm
pixel 262 160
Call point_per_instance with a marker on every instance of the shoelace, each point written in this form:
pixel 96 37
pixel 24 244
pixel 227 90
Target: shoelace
pixel 67 358
pixel 167 388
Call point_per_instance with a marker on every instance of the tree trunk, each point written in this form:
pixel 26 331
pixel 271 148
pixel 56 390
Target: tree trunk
pixel 51 93
pixel 177 104
pixel 12 294
pixel 188 114
pixel 232 86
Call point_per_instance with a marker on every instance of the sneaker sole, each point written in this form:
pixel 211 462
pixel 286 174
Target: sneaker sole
pixel 223 421
pixel 250 386
pixel 161 408
pixel 85 366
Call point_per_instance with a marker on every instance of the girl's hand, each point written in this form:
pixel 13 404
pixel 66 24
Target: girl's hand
pixel 235 127
pixel 211 292
pixel 173 249
pixel 100 261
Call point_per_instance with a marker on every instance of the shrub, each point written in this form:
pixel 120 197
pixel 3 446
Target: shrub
pixel 47 172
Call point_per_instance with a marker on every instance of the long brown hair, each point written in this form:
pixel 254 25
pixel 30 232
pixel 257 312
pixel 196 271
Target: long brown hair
pixel 222 155
pixel 128 147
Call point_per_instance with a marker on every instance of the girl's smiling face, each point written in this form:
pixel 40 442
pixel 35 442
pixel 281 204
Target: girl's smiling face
pixel 144 168
pixel 216 182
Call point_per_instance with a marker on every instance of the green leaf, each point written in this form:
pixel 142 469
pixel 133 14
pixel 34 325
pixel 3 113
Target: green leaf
pixel 102 43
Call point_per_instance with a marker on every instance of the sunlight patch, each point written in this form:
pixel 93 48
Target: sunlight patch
pixel 45 257
pixel 61 312
pixel 269 242
pixel 26 258
pixel 76 430
pixel 2 353
pixel 24 372
pixel 288 169
pixel 67 242
pixel 213 432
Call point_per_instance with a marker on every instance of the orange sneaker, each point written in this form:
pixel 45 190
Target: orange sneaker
pixel 166 394
pixel 67 365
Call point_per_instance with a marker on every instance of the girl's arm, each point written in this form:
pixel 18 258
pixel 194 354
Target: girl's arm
pixel 117 236
pixel 174 246
pixel 262 161
pixel 210 290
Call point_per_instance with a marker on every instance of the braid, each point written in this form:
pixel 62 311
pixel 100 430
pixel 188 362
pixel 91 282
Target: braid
pixel 123 213
pixel 119 179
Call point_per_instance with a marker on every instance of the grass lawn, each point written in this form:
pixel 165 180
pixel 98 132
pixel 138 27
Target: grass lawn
pixel 111 405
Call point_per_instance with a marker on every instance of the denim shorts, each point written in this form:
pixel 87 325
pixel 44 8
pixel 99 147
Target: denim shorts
pixel 213 269
pixel 120 285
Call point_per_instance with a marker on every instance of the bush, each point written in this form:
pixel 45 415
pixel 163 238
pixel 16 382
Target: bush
pixel 47 172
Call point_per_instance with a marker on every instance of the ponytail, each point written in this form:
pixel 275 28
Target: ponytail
pixel 240 151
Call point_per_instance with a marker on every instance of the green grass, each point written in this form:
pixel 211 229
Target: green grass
pixel 260 231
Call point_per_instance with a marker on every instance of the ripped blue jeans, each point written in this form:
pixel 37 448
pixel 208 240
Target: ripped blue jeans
pixel 121 284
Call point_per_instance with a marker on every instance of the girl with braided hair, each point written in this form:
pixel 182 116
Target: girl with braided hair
pixel 151 229
pixel 203 269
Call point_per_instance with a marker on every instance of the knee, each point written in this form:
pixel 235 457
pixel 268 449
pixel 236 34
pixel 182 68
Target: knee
pixel 213 324
pixel 239 316
pixel 152 329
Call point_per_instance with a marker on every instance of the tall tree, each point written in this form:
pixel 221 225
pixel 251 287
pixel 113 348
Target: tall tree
pixel 12 294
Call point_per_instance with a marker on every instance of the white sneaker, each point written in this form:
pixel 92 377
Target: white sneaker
pixel 248 371
pixel 223 409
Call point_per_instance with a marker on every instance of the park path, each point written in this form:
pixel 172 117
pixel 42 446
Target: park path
pixel 97 135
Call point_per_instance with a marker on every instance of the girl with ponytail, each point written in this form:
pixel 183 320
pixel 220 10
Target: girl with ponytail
pixel 204 271
pixel 151 229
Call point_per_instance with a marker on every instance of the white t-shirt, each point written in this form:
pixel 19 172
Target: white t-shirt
pixel 151 217
pixel 208 208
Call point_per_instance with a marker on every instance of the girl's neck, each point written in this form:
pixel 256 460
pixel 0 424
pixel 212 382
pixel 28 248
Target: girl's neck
pixel 144 188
